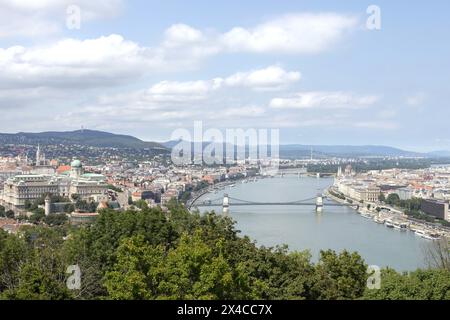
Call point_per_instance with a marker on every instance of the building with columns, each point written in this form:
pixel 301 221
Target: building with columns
pixel 21 188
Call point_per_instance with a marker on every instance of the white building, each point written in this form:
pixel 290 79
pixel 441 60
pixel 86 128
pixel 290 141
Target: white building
pixel 18 189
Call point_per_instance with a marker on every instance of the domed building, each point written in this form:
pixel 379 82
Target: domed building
pixel 76 169
pixel 87 186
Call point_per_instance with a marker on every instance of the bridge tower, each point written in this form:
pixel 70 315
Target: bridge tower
pixel 226 204
pixel 48 205
pixel 319 203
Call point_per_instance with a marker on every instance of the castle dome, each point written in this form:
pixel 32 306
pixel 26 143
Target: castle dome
pixel 76 164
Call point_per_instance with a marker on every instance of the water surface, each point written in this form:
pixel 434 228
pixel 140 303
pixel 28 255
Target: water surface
pixel 301 228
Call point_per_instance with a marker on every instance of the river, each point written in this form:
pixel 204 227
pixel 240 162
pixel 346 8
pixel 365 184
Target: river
pixel 301 228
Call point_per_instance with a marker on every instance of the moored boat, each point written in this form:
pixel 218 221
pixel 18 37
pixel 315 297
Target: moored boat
pixel 379 220
pixel 389 224
pixel 402 226
pixel 427 235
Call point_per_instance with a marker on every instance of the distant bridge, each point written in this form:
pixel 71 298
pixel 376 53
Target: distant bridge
pixel 226 202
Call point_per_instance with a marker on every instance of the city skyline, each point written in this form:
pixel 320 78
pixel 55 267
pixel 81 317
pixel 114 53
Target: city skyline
pixel 312 69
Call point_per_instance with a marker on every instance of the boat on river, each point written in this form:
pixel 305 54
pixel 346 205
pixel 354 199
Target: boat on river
pixel 389 223
pixel 379 220
pixel 402 226
pixel 427 235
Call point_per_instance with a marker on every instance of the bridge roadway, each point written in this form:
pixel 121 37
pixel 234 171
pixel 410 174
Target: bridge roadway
pixel 274 204
pixel 239 202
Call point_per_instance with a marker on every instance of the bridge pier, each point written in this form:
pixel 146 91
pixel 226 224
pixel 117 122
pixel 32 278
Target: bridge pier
pixel 319 203
pixel 226 204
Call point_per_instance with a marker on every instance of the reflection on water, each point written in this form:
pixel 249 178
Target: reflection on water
pixel 301 228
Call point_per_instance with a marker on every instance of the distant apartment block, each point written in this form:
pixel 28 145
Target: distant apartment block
pixel 436 208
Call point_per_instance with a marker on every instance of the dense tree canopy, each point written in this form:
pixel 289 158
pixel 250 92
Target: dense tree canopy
pixel 151 254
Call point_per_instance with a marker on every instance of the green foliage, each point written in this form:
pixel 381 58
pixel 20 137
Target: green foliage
pixel 418 285
pixel 32 266
pixel 141 204
pixel 84 206
pixel 10 214
pixel 37 216
pixel 340 276
pixel 55 219
pixel 393 199
pixel 114 188
pixel 150 254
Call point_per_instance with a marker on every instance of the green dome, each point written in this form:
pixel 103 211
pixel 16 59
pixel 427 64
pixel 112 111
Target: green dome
pixel 76 164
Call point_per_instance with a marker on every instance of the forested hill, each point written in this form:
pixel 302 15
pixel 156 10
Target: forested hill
pixel 81 137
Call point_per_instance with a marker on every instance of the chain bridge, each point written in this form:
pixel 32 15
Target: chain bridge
pixel 226 202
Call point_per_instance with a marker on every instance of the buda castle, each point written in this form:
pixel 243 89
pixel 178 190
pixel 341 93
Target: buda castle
pixel 28 187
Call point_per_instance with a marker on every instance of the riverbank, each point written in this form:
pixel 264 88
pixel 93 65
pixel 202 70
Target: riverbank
pixel 394 218
pixel 217 187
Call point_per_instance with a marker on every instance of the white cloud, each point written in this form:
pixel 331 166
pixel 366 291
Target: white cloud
pixel 182 34
pixel 246 111
pixel 99 62
pixel 294 33
pixel 388 125
pixel 271 78
pixel 323 99
pixel 185 92
pixel 416 99
pixel 110 60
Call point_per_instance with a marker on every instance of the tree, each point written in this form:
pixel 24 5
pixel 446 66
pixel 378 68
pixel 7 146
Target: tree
pixel 141 204
pixel 13 253
pixel 190 271
pixel 10 214
pixel 381 197
pixel 130 278
pixel 37 216
pixel 438 254
pixel 418 285
pixel 75 197
pixel 55 219
pixel 339 276
pixel 41 270
pixel 393 199
pixel 151 254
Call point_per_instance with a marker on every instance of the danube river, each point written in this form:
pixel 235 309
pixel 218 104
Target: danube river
pixel 301 228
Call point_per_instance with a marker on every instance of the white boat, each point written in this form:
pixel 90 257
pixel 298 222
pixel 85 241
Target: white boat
pixel 400 226
pixel 425 235
pixel 366 215
pixel 389 224
pixel 378 220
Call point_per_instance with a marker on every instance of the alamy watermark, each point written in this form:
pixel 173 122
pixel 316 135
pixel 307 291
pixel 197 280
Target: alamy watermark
pixel 214 147
pixel 374 280
pixel 73 17
pixel 374 20
pixel 74 280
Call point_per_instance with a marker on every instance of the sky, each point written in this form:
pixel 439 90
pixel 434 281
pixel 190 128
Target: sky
pixel 315 70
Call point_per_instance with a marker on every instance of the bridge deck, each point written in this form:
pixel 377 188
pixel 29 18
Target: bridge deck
pixel 274 204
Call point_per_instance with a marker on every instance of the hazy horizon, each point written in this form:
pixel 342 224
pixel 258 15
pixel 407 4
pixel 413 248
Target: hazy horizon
pixel 418 150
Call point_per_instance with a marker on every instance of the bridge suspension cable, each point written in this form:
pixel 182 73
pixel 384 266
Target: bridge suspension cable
pixel 288 202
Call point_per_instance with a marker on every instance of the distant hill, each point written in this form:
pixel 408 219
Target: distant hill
pixel 439 154
pixel 350 151
pixel 320 151
pixel 82 137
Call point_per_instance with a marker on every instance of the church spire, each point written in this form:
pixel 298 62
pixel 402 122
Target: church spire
pixel 38 155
